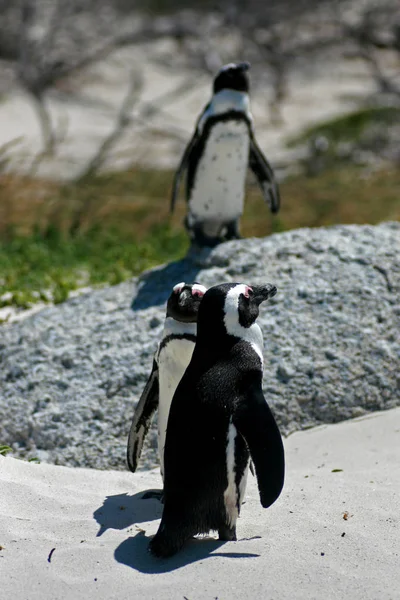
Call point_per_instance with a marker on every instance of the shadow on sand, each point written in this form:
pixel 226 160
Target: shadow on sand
pixel 134 553
pixel 122 510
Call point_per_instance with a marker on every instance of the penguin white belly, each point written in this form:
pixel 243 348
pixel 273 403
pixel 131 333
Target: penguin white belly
pixel 234 494
pixel 218 191
pixel 172 364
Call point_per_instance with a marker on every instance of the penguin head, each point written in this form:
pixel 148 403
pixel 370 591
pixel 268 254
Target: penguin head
pixel 184 301
pixel 232 77
pixel 232 307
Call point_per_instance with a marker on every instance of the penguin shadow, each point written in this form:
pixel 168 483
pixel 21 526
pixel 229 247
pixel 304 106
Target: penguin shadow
pixel 155 285
pixel 122 510
pixel 134 553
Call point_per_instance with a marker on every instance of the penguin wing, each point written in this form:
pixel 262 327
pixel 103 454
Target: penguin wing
pixel 255 422
pixel 145 409
pixel 264 174
pixel 181 169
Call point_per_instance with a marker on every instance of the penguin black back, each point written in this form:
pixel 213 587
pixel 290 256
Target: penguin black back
pixel 219 414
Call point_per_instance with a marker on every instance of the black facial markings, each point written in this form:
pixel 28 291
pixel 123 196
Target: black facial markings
pixel 212 320
pixel 185 312
pixel 248 310
pixel 234 78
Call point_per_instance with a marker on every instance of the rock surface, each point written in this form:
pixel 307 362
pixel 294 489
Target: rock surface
pixel 71 374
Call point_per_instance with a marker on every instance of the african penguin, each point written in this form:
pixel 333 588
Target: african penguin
pixel 218 419
pixel 170 361
pixel 223 146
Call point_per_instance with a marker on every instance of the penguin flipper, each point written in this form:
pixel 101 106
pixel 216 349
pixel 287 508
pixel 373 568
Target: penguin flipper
pixel 264 175
pixel 181 169
pixel 255 422
pixel 141 421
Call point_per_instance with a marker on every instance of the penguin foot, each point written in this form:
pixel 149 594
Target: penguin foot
pixel 232 231
pixel 157 494
pixel 162 546
pixel 227 534
pixel 205 242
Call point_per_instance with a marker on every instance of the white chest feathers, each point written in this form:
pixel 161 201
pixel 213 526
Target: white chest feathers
pixel 172 361
pixel 235 490
pixel 223 102
pixel 218 190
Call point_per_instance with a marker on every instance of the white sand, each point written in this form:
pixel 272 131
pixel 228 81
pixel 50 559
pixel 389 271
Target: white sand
pixel 94 520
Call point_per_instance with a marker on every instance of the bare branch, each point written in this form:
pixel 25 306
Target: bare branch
pixel 368 41
pixel 122 122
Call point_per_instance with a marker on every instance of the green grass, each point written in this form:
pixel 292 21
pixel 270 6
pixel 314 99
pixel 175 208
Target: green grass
pixel 4 450
pixel 348 127
pixel 55 238
pixel 49 267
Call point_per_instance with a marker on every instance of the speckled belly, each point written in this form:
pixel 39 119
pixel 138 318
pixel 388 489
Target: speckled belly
pixel 218 191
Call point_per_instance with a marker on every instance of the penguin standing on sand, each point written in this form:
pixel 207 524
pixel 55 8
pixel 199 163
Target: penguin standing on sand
pixel 219 419
pixel 216 159
pixel 170 361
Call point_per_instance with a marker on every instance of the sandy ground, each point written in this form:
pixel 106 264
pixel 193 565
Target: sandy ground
pixel 85 108
pixel 333 534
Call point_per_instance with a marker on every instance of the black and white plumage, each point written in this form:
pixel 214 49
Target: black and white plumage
pixel 170 361
pixel 218 420
pixel 216 160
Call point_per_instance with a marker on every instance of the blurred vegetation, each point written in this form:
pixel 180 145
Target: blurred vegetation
pixel 55 238
pixel 366 136
pixel 350 126
pixel 4 450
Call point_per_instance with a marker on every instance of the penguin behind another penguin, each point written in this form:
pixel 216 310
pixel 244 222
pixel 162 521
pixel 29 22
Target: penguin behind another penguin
pixel 170 361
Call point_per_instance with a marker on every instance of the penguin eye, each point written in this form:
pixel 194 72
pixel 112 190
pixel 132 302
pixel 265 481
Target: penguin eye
pixel 199 293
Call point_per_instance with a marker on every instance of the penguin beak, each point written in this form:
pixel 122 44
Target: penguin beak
pixel 263 292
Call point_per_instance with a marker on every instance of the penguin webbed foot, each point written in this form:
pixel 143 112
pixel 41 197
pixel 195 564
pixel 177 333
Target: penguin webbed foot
pixel 160 549
pixel 202 241
pixel 157 494
pixel 227 534
pixel 165 545
pixel 232 231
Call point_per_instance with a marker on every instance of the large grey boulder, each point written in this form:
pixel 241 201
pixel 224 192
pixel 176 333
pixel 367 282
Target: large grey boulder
pixel 71 374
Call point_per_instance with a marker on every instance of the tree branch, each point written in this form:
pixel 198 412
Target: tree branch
pixel 123 120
